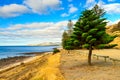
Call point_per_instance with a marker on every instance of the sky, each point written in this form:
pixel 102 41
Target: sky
pixel 24 22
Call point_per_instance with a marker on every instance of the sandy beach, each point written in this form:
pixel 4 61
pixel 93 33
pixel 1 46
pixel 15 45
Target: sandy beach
pixel 64 66
pixel 40 67
pixel 13 61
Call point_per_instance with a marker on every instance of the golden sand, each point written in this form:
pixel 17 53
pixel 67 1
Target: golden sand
pixel 64 66
pixel 44 67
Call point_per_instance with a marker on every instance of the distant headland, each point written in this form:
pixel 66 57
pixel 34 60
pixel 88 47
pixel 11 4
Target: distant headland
pixel 46 44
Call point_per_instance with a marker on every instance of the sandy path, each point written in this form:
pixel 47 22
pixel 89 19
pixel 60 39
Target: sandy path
pixel 74 66
pixel 50 71
pixel 41 68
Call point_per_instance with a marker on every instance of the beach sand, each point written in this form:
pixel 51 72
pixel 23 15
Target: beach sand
pixel 16 60
pixel 43 67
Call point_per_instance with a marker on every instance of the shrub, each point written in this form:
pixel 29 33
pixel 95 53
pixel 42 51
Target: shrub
pixel 55 50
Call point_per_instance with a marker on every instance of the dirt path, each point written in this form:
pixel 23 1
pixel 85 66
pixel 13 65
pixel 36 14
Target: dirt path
pixel 74 66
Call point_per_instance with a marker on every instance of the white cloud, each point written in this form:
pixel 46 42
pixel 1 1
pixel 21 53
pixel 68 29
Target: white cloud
pixel 112 8
pixel 109 8
pixel 35 25
pixel 37 30
pixel 111 0
pixel 12 10
pixel 72 9
pixel 42 6
pixel 90 3
pixel 64 15
pixel 33 32
pixel 35 6
pixel 70 0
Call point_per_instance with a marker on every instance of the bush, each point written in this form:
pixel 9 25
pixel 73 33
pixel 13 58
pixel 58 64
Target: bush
pixel 105 46
pixel 69 47
pixel 111 46
pixel 55 50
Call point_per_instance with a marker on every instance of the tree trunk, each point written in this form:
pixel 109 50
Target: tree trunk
pixel 89 55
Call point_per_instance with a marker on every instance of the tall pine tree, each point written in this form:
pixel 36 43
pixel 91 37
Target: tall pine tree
pixel 89 32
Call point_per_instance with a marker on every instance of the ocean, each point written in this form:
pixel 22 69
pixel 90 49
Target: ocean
pixel 11 51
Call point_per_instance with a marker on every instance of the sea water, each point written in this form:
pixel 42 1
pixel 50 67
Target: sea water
pixel 11 51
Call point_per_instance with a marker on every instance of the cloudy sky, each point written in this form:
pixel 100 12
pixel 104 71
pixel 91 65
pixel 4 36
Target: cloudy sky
pixel 25 22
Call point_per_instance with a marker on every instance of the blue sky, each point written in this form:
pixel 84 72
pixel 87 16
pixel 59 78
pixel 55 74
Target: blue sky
pixel 25 22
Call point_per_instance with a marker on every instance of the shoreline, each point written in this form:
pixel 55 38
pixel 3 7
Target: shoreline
pixel 42 67
pixel 9 62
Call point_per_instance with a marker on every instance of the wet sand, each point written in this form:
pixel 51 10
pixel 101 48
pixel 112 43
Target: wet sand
pixel 13 61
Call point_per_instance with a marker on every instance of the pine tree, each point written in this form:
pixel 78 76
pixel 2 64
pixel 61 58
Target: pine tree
pixel 65 37
pixel 98 11
pixel 67 43
pixel 89 32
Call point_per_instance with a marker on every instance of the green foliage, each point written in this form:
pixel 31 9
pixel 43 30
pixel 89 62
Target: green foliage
pixel 86 45
pixel 65 38
pixel 55 50
pixel 106 46
pixel 107 38
pixel 84 35
pixel 92 41
pixel 68 44
pixel 77 32
pixel 98 11
pixel 112 45
pixel 74 35
pixel 100 33
pixel 76 42
pixel 69 47
pixel 102 26
pixel 89 31
pixel 101 46
pixel 93 31
pixel 86 27
pixel 88 38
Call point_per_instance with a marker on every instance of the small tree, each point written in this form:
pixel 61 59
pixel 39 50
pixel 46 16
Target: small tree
pixel 98 11
pixel 89 32
pixel 65 37
pixel 66 41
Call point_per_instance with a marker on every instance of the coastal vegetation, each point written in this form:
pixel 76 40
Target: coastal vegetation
pixel 55 50
pixel 89 32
